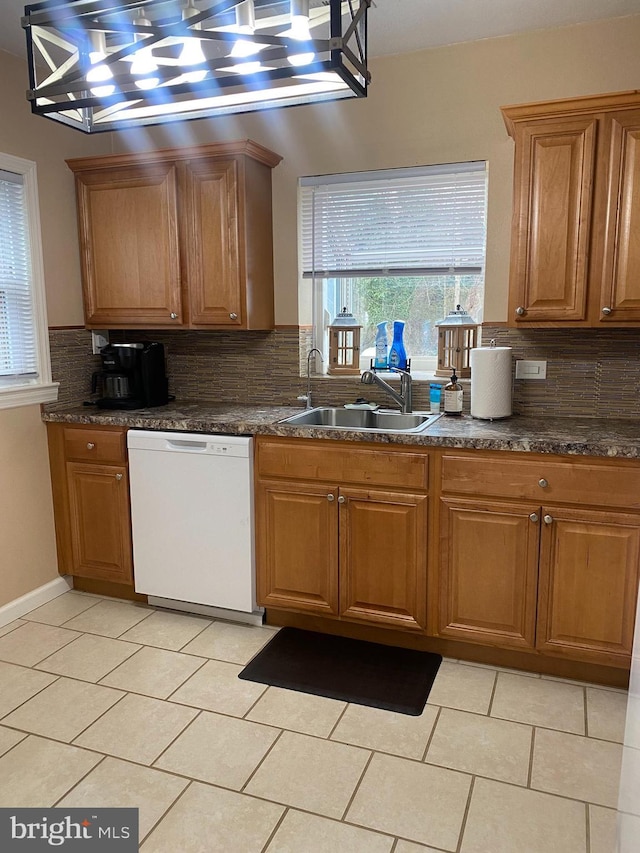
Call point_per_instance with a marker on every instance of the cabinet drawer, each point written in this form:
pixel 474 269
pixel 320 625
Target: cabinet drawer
pixel 94 445
pixel 318 460
pixel 566 482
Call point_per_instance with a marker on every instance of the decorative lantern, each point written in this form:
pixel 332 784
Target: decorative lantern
pixel 344 345
pixel 457 335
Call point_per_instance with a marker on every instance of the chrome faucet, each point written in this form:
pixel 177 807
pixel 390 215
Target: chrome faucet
pixel 307 396
pixel 403 398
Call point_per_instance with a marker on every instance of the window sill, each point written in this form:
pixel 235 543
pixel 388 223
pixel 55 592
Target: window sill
pixel 27 395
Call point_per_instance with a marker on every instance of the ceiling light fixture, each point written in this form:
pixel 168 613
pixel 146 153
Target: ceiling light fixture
pixel 146 79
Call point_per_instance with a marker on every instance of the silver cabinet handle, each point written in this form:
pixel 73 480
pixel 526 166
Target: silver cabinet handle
pixel 533 517
pixel 341 499
pixel 331 498
pixel 90 445
pixel 548 519
pixel 607 311
pixel 543 483
pixel 118 477
pixel 173 315
pixel 520 311
pixel 233 316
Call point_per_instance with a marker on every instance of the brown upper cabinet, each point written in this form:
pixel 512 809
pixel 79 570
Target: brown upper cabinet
pixel 177 237
pixel 575 250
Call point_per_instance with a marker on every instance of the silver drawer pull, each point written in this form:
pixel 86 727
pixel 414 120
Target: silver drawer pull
pixel 548 519
pixel 533 517
pixel 543 483
pixel 173 315
pixel 331 497
pixel 520 311
pixel 607 311
pixel 341 499
pixel 90 445
pixel 233 316
pixel 118 477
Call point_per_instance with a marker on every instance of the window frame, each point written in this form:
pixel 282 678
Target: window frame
pixel 424 366
pixel 42 389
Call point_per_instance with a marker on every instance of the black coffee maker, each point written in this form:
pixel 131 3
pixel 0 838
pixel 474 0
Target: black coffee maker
pixel 133 376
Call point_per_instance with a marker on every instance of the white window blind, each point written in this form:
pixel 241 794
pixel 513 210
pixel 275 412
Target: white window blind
pixel 18 347
pixel 421 221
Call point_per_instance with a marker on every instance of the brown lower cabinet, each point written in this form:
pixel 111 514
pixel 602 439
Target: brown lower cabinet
pixel 546 576
pixel 328 546
pixel 91 502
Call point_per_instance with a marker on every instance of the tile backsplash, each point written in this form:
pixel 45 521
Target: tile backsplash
pixel 590 373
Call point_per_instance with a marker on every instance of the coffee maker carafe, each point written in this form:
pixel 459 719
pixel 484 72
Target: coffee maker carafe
pixel 133 376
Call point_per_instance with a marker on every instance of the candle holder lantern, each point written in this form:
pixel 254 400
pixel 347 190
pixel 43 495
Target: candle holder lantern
pixel 344 345
pixel 457 335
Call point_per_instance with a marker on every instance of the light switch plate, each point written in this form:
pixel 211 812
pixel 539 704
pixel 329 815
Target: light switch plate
pixel 531 369
pixel 99 339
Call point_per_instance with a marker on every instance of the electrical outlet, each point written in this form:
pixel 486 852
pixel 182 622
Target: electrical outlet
pixel 99 339
pixel 531 369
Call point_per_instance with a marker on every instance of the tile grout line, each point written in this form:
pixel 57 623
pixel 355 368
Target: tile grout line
pixel 586 711
pixel 587 812
pixel 338 721
pixel 260 763
pixel 493 694
pixel 93 722
pixel 357 786
pixel 165 812
pixel 533 744
pixel 171 743
pixel 465 816
pixel 253 705
pixel 78 781
pixel 275 829
pixel 431 735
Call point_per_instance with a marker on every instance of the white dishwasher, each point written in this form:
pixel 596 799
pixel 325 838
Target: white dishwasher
pixel 192 520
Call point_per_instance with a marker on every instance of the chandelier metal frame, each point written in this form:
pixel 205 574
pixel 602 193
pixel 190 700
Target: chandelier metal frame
pixel 61 35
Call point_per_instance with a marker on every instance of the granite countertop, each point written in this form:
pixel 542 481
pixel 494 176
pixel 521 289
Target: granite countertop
pixel 576 436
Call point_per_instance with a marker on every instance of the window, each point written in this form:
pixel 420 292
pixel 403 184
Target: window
pixel 25 371
pixel 399 244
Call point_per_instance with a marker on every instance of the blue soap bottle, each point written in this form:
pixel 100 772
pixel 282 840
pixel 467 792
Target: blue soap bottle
pixel 397 353
pixel 381 361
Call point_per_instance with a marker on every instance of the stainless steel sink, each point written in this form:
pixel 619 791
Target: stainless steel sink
pixel 362 419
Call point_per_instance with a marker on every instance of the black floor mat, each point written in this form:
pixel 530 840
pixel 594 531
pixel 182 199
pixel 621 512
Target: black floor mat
pixel 387 677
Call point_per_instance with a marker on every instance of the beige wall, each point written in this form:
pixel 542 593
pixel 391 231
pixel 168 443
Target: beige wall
pixel 428 107
pixel 27 543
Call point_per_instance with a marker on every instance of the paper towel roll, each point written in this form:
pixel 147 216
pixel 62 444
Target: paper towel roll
pixel 491 382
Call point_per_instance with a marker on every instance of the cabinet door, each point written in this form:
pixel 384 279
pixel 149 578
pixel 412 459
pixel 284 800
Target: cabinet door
pixel 211 255
pixel 621 254
pixel 488 572
pixel 554 173
pixel 100 522
pixel 383 557
pixel 129 246
pixel 297 546
pixel 588 584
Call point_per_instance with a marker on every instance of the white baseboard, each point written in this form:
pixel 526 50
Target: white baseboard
pixel 36 598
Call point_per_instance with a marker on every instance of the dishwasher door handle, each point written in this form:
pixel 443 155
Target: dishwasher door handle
pixel 186 445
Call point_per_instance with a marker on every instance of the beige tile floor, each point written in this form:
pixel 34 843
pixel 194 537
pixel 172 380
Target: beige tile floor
pixel 106 703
